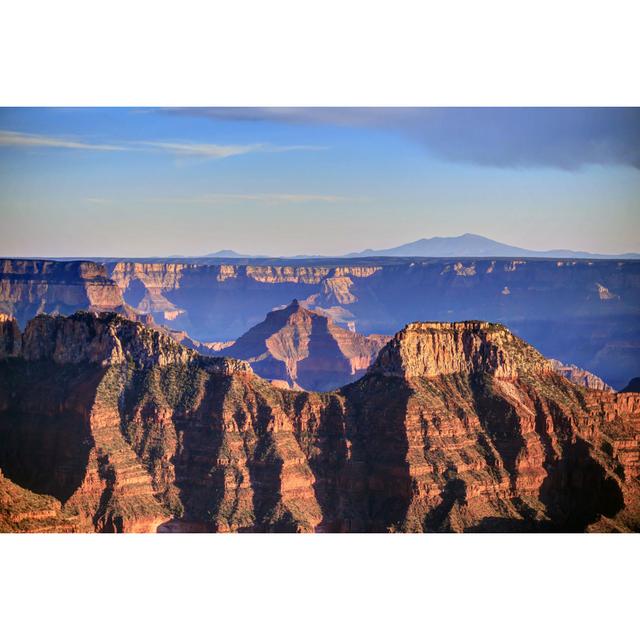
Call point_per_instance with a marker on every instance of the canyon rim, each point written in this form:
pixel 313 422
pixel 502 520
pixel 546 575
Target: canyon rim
pixel 194 336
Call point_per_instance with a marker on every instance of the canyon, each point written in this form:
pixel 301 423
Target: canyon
pixel 109 425
pixel 581 312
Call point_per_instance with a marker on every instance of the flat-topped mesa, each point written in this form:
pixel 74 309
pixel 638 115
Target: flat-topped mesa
pixel 54 269
pixel 430 349
pixel 28 287
pixel 109 339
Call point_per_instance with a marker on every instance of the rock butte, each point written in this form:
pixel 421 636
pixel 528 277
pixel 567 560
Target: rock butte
pixel 106 425
pixel 305 349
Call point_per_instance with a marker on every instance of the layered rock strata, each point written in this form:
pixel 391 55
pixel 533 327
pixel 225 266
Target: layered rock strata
pixel 581 311
pixel 31 287
pixel 106 425
pixel 585 312
pixel 305 349
pixel 579 376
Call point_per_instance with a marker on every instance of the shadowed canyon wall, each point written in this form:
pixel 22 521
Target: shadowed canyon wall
pixel 305 349
pixel 30 287
pixel 455 427
pixel 581 312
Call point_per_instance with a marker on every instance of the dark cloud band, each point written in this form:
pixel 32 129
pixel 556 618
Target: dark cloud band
pixel 566 138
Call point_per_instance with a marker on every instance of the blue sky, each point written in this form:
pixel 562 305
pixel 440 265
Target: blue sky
pixel 140 182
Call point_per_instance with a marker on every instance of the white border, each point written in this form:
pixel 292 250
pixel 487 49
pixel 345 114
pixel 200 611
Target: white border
pixel 335 52
pixel 322 586
pixel 294 53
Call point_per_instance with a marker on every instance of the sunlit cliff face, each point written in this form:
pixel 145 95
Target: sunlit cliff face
pixel 456 427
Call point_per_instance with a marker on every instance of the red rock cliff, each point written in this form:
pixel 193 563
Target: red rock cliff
pixel 457 427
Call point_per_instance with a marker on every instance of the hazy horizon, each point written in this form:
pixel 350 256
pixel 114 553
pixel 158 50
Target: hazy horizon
pixel 263 254
pixel 283 182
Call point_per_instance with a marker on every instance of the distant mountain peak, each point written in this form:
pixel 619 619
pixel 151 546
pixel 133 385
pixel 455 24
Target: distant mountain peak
pixel 225 253
pixel 472 245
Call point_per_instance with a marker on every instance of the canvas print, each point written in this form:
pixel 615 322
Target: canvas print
pixel 330 320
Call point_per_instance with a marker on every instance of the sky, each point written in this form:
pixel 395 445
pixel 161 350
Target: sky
pixel 287 181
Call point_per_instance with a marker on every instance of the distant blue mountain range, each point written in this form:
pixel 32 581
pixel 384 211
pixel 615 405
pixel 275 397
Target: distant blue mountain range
pixel 471 245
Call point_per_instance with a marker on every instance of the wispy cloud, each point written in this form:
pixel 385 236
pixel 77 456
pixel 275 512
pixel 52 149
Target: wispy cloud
pixel 192 149
pixel 225 151
pixel 18 139
pixel 205 150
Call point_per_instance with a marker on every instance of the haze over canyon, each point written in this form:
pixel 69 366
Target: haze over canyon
pixel 580 312
pixel 176 396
